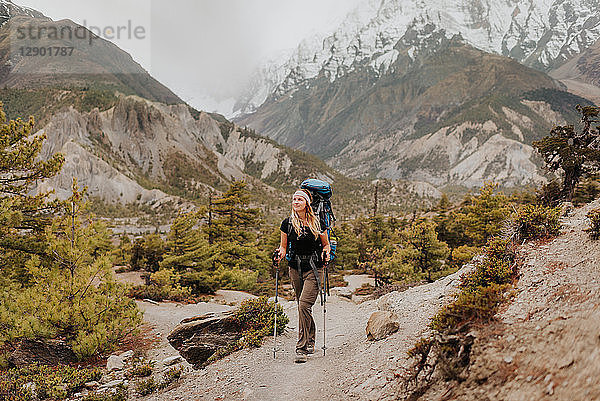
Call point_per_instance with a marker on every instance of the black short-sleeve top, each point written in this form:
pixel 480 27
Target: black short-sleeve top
pixel 305 244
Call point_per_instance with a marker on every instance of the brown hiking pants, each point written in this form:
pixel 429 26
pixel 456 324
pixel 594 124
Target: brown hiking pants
pixel 307 291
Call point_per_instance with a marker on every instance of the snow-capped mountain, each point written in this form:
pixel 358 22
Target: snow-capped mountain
pixel 8 10
pixel 537 33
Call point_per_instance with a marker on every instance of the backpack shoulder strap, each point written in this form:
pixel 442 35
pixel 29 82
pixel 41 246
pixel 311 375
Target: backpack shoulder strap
pixel 289 256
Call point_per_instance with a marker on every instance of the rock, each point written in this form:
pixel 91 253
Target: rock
pixel 31 388
pixel 247 392
pixel 42 352
pixel 92 385
pixel 550 388
pixel 200 317
pixel 126 355
pixel 508 359
pixel 197 340
pixel 115 362
pixel 566 362
pixel 344 292
pixel 172 360
pixel 381 324
pixel 112 384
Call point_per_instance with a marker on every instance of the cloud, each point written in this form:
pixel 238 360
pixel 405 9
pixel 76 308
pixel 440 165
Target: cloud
pixel 206 47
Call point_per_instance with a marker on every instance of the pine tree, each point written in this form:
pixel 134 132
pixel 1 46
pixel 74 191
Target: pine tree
pixel 122 254
pixel 186 245
pixel 422 248
pixel 234 255
pixel 23 216
pixel 477 219
pixel 147 253
pixel 577 154
pixel 72 293
pixel 234 220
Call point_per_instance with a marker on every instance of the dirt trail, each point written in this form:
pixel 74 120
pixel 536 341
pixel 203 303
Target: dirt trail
pixel 353 367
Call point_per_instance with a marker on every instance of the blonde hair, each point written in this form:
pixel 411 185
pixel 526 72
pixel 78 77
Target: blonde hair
pixel 311 219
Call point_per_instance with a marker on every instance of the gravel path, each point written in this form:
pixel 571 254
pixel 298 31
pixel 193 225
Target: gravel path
pixel 353 367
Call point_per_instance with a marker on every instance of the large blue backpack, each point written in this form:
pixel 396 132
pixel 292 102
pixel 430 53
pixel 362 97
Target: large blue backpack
pixel 321 204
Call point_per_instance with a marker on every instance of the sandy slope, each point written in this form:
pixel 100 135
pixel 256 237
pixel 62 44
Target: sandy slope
pixel 546 344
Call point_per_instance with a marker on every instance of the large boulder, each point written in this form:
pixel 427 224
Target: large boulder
pixel 381 324
pixel 42 352
pixel 198 338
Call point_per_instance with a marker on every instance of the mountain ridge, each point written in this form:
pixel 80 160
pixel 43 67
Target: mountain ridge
pixel 101 66
pixel 541 35
pixel 445 114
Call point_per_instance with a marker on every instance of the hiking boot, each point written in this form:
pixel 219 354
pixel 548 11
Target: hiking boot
pixel 310 349
pixel 300 357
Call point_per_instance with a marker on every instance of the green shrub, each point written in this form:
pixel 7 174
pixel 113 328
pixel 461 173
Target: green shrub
pixel 535 221
pixel 172 374
pixel 489 272
pixel 119 395
pixel 481 293
pixel 58 382
pixel 550 194
pixel 594 229
pixel 150 385
pixel 501 249
pixel 199 282
pixel 257 319
pixel 142 370
pixel 164 285
pixel 236 279
pixel 146 386
pixel 151 291
pixel 463 254
pixel 469 307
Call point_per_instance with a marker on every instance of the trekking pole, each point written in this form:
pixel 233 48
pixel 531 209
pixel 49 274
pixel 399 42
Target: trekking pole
pixel 325 263
pixel 276 266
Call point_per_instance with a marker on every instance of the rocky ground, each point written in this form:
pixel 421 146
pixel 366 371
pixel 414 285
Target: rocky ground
pixel 352 368
pixel 546 344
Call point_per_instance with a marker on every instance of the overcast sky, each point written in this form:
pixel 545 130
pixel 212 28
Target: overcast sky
pixel 197 46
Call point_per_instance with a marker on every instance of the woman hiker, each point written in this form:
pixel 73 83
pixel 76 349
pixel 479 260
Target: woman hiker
pixel 308 246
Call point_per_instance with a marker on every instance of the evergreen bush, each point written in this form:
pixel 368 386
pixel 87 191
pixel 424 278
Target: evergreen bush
pixel 199 282
pixel 257 318
pixel 463 254
pixel 57 382
pixel 594 229
pixel 535 221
